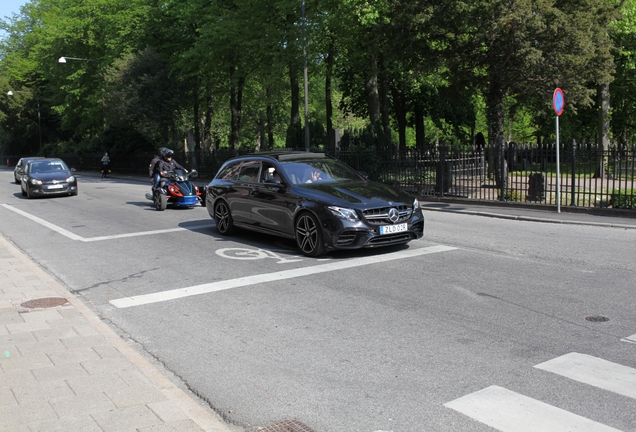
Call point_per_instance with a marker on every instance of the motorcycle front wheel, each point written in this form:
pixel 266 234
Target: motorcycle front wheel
pixel 160 200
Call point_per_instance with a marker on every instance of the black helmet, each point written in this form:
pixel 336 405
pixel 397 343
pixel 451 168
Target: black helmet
pixel 162 151
pixel 165 153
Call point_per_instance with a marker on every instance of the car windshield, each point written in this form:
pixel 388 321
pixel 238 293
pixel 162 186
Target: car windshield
pixel 319 170
pixel 47 167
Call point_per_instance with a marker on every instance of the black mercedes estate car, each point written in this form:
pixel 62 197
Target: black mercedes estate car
pixel 315 199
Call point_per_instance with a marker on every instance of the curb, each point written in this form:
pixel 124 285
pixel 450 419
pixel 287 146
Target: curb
pixel 530 218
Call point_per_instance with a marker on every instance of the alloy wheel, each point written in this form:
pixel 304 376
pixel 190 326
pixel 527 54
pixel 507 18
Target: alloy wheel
pixel 309 235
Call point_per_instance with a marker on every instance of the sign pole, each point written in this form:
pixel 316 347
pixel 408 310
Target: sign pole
pixel 558 102
pixel 558 163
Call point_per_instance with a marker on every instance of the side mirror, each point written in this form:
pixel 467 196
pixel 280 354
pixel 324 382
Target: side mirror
pixel 73 170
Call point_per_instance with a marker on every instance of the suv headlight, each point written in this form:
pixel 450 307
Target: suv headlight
pixel 416 204
pixel 343 213
pixel 35 181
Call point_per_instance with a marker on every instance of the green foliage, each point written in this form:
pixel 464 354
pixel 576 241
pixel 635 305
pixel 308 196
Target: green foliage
pixel 418 70
pixel 142 97
pixel 624 199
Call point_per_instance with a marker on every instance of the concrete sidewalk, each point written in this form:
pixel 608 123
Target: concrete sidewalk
pixel 63 369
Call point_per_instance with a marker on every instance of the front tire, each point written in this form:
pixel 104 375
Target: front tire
pixel 160 201
pixel 223 218
pixel 309 235
pixel 22 190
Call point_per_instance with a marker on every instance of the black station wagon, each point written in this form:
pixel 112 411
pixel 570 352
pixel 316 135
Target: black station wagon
pixel 321 202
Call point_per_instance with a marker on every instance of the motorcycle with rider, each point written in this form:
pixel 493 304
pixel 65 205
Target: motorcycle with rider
pixel 171 184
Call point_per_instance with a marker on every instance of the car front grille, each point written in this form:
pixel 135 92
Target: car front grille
pixel 385 240
pixel 380 216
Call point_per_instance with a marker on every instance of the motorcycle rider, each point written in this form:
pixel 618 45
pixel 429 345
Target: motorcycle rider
pixel 161 164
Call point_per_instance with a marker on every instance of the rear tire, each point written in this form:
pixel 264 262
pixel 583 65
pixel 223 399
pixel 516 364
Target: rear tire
pixel 160 201
pixel 223 218
pixel 309 235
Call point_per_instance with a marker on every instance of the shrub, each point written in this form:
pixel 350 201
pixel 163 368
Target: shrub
pixel 624 199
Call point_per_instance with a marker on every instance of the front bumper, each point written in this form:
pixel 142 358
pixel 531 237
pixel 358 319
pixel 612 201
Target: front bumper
pixel 344 234
pixel 184 201
pixel 47 190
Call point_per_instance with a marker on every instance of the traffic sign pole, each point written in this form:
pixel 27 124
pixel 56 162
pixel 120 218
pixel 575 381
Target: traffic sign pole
pixel 558 101
pixel 558 191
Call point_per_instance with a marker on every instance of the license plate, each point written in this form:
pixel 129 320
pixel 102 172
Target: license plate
pixel 390 229
pixel 57 186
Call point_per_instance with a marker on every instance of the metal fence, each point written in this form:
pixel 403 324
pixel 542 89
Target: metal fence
pixel 589 176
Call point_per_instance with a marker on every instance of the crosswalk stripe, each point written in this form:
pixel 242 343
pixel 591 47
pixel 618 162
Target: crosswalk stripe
pixel 630 339
pixel 508 411
pixel 594 371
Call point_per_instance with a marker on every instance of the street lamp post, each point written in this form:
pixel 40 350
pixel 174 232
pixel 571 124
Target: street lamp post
pixel 63 60
pixel 305 76
pixel 10 93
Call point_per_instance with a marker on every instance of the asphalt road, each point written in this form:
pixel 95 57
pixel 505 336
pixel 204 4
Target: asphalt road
pixel 423 337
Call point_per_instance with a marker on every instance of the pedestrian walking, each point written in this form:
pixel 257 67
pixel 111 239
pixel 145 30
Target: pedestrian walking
pixel 105 161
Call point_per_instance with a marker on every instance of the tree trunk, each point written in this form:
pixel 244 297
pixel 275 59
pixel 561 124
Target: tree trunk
pixel 399 106
pixel 236 96
pixel 603 99
pixel 197 119
pixel 495 120
pixel 371 87
pixel 270 125
pixel 420 138
pixel 206 142
pixel 331 144
pixel 294 138
pixel 384 97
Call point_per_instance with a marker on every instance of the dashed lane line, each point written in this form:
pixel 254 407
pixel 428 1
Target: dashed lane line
pixel 174 294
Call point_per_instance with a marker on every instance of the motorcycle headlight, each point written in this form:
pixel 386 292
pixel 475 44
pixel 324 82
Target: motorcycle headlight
pixel 71 179
pixel 416 204
pixel 35 182
pixel 343 213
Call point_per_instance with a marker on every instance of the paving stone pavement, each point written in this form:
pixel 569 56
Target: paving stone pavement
pixel 63 369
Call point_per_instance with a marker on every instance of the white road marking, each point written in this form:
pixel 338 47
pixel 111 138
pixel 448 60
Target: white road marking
pixel 594 371
pixel 508 411
pixel 72 236
pixel 42 222
pixel 630 339
pixel 143 233
pixel 269 277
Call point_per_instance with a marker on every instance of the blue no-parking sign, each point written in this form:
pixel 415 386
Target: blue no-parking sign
pixel 558 101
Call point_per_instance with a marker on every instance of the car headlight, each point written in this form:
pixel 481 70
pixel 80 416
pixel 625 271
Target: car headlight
pixel 343 213
pixel 36 182
pixel 416 204
pixel 71 179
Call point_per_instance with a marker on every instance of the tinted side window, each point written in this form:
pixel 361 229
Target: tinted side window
pixel 230 172
pixel 249 171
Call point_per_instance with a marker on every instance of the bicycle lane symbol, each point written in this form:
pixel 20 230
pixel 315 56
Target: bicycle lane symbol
pixel 254 254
